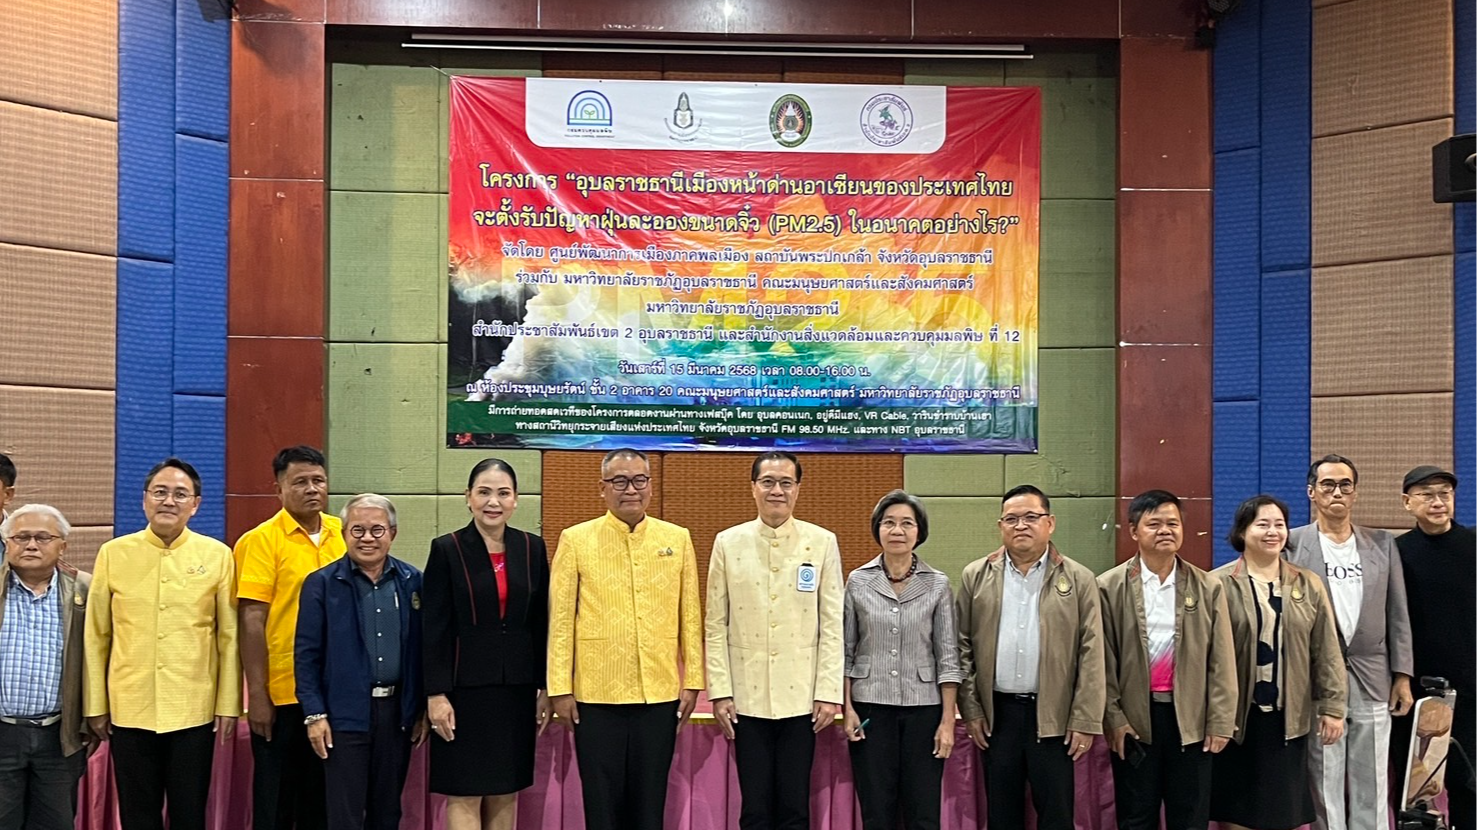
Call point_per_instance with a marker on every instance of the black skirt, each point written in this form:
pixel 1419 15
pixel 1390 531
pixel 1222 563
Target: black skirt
pixel 492 753
pixel 1262 782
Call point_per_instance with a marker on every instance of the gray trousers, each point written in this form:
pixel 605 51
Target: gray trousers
pixel 1350 778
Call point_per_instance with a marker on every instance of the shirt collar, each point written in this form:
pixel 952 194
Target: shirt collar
pixel 153 539
pixel 784 531
pixel 287 524
pixel 1010 566
pixel 625 528
pixel 17 585
pixel 392 567
pixel 1148 577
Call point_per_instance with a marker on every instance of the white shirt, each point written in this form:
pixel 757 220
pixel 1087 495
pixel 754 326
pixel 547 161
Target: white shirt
pixel 1159 616
pixel 1018 642
pixel 1345 581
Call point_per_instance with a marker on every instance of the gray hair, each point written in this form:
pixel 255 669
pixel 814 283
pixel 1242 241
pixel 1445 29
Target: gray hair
pixel 45 510
pixel 370 500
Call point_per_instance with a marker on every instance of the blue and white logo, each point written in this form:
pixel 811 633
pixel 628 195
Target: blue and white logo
pixel 805 580
pixel 589 109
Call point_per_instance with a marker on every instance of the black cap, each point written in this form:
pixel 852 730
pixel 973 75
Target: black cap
pixel 1424 473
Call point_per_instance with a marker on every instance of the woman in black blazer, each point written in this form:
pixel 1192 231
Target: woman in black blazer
pixel 485 615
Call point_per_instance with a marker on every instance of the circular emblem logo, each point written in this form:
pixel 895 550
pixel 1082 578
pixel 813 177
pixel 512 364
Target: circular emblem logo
pixel 789 120
pixel 886 119
pixel 807 574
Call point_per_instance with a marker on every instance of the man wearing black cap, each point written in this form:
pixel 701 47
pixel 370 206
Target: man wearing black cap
pixel 1440 559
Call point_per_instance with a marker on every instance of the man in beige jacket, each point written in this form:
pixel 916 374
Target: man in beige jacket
pixel 1171 673
pixel 1031 648
pixel 775 645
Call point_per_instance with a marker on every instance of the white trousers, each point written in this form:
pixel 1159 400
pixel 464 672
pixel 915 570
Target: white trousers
pixel 1350 778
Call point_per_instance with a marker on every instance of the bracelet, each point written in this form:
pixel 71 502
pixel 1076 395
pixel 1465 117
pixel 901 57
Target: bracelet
pixel 312 719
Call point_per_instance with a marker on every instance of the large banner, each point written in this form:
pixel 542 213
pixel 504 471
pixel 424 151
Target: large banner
pixel 684 265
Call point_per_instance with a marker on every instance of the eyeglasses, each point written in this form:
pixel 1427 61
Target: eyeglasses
pixel 24 539
pixel 1026 519
pixel 905 524
pixel 161 494
pixel 622 482
pixel 785 484
pixel 1433 496
pixel 374 531
pixel 1328 485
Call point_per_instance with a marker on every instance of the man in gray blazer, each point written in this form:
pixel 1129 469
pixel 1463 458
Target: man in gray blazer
pixel 1366 584
pixel 42 607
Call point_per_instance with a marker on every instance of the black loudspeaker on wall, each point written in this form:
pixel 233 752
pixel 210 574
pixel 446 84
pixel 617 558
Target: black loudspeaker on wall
pixel 1452 169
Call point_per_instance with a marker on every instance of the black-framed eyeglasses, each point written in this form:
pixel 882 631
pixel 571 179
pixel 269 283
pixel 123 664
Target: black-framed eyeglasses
pixel 622 482
pixel 1025 519
pixel 162 494
pixel 786 484
pixel 1327 486
pixel 374 531
pixel 21 540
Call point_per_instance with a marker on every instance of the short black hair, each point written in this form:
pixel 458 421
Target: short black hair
pixel 1026 490
pixel 1246 514
pixel 492 464
pixel 7 471
pixel 774 455
pixel 1330 459
pixel 300 454
pixel 1149 501
pixel 893 499
pixel 179 464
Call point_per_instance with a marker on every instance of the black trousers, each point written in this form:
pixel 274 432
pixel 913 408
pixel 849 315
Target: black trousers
pixel 625 753
pixel 148 766
pixel 774 759
pixel 287 776
pixel 1016 758
pixel 894 767
pixel 1171 774
pixel 38 785
pixel 365 771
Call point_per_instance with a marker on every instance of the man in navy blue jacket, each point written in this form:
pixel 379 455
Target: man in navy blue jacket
pixel 358 663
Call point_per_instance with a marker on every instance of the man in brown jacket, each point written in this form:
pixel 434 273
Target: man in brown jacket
pixel 1031 649
pixel 42 608
pixel 1171 673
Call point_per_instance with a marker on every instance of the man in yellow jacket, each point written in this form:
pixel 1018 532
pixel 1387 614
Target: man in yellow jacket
pixel 625 646
pixel 163 676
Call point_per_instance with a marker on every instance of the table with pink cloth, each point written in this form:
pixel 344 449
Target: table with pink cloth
pixel 703 789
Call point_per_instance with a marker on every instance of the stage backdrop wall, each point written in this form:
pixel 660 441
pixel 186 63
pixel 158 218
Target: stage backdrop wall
pixel 387 295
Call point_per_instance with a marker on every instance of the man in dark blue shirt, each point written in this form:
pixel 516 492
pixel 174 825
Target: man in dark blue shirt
pixel 358 664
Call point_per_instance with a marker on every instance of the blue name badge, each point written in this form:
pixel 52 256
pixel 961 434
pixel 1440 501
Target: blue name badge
pixel 806 579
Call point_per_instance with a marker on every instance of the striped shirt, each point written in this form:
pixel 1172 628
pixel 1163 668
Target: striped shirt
pixel 900 646
pixel 1018 642
pixel 31 651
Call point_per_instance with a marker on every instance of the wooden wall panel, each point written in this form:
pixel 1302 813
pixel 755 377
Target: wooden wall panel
pixel 504 14
pixel 1385 435
pixel 994 20
pixel 1164 272
pixel 277 100
pixel 276 258
pixel 1381 327
pixel 60 188
pixel 275 386
pixel 1162 145
pixel 1376 64
pixel 61 441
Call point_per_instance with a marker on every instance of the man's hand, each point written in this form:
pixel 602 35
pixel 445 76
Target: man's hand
pixel 443 718
pixel 566 710
pixel 686 702
pixel 1400 697
pixel 726 713
pixel 260 714
pixel 1117 742
pixel 822 714
pixel 420 731
pixel 1215 743
pixel 943 739
pixel 1078 744
pixel 542 712
pixel 977 733
pixel 1330 729
pixel 225 729
pixel 90 742
pixel 321 737
pixel 100 726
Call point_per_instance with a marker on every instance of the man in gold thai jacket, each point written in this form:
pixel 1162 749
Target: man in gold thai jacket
pixel 625 646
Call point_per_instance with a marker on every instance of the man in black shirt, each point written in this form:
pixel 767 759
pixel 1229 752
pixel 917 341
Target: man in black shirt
pixel 1440 561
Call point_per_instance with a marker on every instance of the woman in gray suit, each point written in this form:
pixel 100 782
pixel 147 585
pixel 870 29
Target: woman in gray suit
pixel 902 672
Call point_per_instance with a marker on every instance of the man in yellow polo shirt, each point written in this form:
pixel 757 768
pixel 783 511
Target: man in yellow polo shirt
pixel 623 608
pixel 162 671
pixel 272 560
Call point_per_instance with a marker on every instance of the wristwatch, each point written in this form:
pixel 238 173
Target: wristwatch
pixel 312 719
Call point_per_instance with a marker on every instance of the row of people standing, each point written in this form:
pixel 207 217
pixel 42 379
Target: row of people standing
pixel 1028 654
